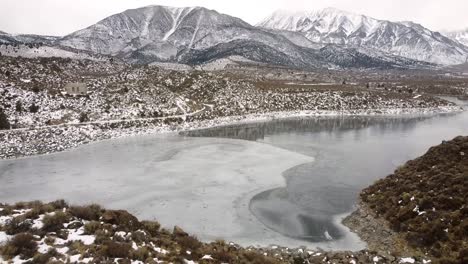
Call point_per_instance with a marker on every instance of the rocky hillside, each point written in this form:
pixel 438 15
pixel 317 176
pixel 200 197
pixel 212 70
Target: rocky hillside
pixel 58 233
pixel 405 39
pixel 425 202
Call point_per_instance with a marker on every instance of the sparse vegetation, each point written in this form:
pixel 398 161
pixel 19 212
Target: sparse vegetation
pixel 23 245
pixel 425 201
pixel 54 222
pixel 120 235
pixel 90 213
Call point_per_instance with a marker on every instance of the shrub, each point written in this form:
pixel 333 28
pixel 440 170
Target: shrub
pixel 224 256
pixel 141 254
pixel 116 250
pixel 90 213
pixel 91 227
pixel 45 258
pixel 151 227
pixel 122 218
pixel 22 244
pixel 19 106
pixel 257 258
pixel 34 108
pixel 139 236
pixel 54 222
pixel 17 225
pixel 59 204
pixel 84 118
pixel 4 123
pixel 189 243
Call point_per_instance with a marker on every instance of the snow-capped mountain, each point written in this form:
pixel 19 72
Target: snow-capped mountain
pixel 406 39
pixel 197 35
pixel 187 35
pixel 460 36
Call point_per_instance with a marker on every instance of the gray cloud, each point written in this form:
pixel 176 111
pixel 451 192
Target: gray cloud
pixel 60 17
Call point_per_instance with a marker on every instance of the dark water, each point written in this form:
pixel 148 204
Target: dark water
pixel 351 153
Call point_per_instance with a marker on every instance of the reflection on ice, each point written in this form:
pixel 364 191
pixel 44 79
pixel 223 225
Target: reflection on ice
pixel 350 152
pixel 275 210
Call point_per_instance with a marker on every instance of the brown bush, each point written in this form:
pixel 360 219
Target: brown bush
pixel 54 222
pixel 224 256
pixel 141 254
pixel 45 258
pixel 59 204
pixel 151 227
pixel 91 227
pixel 117 250
pixel 257 258
pixel 90 213
pixel 22 245
pixel 189 243
pixel 121 218
pixel 17 225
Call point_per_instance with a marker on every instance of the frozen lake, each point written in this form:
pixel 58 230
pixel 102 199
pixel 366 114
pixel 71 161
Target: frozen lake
pixel 284 182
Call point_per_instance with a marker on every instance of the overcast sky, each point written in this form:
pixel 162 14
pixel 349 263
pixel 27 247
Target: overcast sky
pixel 61 17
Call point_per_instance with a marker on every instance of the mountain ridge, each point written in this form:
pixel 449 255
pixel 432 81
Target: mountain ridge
pixel 460 35
pixel 190 35
pixel 406 39
pixel 198 35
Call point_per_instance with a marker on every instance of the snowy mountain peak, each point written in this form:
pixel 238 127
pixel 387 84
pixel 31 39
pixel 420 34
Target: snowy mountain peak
pixel 324 20
pixel 460 36
pixel 158 28
pixel 196 35
pixel 406 39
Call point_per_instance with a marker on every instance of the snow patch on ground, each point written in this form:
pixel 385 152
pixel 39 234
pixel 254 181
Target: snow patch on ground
pixel 4 238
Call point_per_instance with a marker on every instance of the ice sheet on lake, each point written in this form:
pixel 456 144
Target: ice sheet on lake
pixel 203 185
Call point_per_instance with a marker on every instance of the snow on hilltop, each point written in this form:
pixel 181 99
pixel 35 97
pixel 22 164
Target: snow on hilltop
pixel 460 36
pixel 196 35
pixel 406 39
pixel 167 29
pixel 328 38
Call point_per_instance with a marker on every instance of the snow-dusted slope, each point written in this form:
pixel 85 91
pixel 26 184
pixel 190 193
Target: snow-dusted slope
pixel 34 51
pixel 197 36
pixel 460 36
pixel 26 38
pixel 159 31
pixel 405 39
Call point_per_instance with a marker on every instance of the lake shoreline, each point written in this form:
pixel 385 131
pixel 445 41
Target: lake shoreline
pixel 80 237
pixel 48 140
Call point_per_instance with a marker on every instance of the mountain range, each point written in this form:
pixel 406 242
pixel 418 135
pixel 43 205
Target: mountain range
pixel 460 36
pixel 327 38
pixel 406 39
